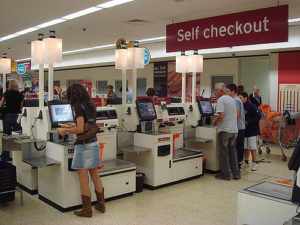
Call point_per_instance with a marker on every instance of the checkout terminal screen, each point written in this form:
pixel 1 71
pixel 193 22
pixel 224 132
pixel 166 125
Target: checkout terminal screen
pixel 61 113
pixel 147 109
pixel 205 107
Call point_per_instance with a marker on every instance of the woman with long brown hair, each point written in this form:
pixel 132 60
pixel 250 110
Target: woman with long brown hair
pixel 86 153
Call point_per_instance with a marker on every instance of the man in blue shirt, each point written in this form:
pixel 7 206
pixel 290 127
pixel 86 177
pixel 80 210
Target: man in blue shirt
pixel 232 91
pixel 128 95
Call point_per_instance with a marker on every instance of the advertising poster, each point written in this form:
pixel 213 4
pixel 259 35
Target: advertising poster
pixel 161 78
pixel 35 85
pixel 175 83
pixel 289 97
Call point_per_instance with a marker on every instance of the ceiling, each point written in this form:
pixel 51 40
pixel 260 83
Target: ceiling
pixel 108 25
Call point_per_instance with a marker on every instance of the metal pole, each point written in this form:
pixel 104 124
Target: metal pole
pixel 194 88
pixel 124 86
pixel 41 85
pixel 134 79
pixel 183 87
pixel 4 82
pixel 50 82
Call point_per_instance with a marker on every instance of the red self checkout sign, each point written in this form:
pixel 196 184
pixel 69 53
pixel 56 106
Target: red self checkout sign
pixel 260 26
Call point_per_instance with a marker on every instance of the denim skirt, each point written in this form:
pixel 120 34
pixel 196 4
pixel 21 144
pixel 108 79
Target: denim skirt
pixel 86 156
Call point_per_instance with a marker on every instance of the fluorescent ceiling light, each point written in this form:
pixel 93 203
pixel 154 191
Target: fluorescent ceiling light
pixel 88 49
pixel 8 37
pixel 294 20
pixel 28 30
pixel 113 3
pixel 25 59
pixel 50 23
pixel 153 39
pixel 82 13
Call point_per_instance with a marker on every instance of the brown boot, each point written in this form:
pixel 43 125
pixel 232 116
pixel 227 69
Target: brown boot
pixel 86 207
pixel 100 198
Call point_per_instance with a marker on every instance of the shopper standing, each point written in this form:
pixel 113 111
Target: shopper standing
pixel 13 101
pixel 254 97
pixel 252 117
pixel 232 91
pixel 226 120
pixel 87 152
pixel 128 95
pixel 110 92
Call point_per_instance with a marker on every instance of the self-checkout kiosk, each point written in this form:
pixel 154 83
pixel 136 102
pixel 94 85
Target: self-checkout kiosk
pixel 170 118
pixel 152 152
pixel 199 117
pixel 59 185
pixel 27 174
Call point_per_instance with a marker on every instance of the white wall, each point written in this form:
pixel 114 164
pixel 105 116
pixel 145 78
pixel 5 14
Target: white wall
pixel 218 67
pixel 273 78
pixel 100 73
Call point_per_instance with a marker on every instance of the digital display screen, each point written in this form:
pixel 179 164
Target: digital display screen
pixel 146 109
pixel 205 107
pixel 61 113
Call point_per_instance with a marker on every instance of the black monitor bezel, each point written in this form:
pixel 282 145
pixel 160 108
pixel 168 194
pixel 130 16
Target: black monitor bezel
pixel 145 100
pixel 57 102
pixel 200 107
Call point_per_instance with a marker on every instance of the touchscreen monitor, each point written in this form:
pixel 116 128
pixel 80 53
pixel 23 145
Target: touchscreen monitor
pixel 60 112
pixel 205 107
pixel 145 108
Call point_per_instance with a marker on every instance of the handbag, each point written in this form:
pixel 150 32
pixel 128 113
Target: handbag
pixel 90 129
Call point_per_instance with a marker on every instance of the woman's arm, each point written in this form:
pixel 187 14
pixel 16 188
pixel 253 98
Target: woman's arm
pixel 79 129
pixel 2 102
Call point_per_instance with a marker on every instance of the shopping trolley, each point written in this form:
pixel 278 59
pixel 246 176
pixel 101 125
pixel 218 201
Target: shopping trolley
pixel 276 129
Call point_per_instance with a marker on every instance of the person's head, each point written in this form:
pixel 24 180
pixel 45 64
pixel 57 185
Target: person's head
pixel 243 96
pixel 232 90
pixel 220 89
pixel 13 86
pixel 110 89
pixel 240 88
pixel 256 89
pixel 150 92
pixel 122 89
pixel 27 90
pixel 77 94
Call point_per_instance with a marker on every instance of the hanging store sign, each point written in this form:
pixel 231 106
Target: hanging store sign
pixel 260 26
pixel 21 69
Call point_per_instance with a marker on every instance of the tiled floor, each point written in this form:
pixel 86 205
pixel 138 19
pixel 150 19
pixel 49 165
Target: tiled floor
pixel 200 201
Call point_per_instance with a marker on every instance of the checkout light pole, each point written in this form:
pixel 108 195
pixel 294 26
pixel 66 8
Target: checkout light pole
pixel 37 49
pixel 121 63
pixel 52 54
pixel 136 60
pixel 195 65
pixel 5 68
pixel 182 67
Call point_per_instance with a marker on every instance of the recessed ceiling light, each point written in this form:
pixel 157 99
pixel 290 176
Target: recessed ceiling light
pixel 294 20
pixel 113 3
pixel 8 37
pixel 28 30
pixel 50 23
pixel 82 13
